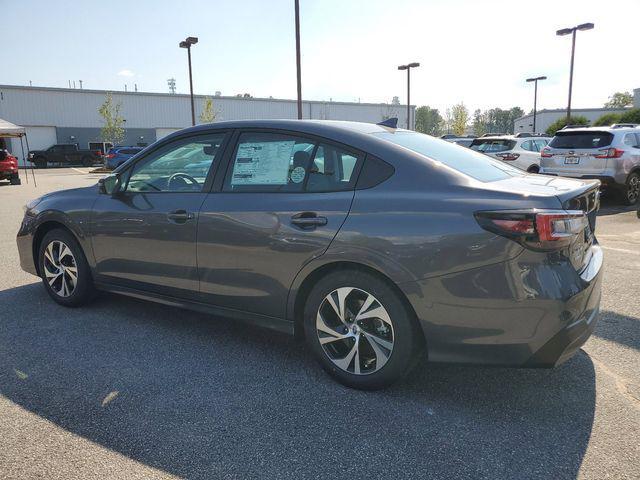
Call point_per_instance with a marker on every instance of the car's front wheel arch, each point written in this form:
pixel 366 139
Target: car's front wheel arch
pixel 39 234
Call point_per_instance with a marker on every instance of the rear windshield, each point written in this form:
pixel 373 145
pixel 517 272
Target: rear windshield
pixel 577 140
pixel 487 145
pixel 464 160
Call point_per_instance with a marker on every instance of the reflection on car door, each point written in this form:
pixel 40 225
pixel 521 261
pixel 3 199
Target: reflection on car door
pixel 278 209
pixel 145 235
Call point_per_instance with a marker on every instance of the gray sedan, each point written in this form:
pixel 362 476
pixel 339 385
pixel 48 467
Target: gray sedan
pixel 376 244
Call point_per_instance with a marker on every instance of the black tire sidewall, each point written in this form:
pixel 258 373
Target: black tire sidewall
pixel 84 286
pixel 625 190
pixel 406 334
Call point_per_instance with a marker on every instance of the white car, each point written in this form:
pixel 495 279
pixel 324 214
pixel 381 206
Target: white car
pixel 609 154
pixel 521 150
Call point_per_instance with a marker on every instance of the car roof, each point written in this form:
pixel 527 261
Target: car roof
pixel 607 128
pixel 310 126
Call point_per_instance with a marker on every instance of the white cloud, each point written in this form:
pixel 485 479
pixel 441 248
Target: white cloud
pixel 126 73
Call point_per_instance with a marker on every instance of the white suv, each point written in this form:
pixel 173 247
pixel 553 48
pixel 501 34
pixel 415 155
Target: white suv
pixel 609 154
pixel 521 150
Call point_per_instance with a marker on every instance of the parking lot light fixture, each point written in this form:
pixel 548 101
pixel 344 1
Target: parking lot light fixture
pixel 572 31
pixel 408 68
pixel 186 43
pixel 535 97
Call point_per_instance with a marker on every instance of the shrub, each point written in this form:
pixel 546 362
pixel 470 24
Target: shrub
pixel 562 122
pixel 632 116
pixel 607 119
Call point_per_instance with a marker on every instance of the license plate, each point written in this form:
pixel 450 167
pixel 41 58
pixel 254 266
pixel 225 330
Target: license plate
pixel 572 160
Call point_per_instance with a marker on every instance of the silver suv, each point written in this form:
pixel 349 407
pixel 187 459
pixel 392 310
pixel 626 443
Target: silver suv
pixel 609 154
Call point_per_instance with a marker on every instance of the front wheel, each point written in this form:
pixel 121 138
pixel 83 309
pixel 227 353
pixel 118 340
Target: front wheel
pixel 631 191
pixel 64 269
pixel 360 330
pixel 40 162
pixel 87 161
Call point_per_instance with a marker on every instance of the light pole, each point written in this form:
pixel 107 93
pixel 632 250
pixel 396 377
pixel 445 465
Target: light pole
pixel 408 68
pixel 186 43
pixel 572 31
pixel 298 73
pixel 535 98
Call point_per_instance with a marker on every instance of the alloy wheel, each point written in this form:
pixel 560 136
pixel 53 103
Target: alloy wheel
pixel 633 189
pixel 355 330
pixel 60 268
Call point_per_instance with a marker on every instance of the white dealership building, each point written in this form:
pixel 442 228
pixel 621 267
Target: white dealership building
pixel 68 115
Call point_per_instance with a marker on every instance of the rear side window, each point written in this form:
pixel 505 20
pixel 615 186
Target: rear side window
pixel 492 146
pixel 270 162
pixel 464 160
pixel 632 139
pixel 332 170
pixel 578 140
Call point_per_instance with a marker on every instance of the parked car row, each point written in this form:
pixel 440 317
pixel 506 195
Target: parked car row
pixel 71 154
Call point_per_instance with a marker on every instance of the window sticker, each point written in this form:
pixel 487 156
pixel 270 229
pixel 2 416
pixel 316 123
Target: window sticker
pixel 263 163
pixel 297 175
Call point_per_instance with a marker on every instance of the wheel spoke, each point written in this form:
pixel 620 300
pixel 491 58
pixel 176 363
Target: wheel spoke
pixel 339 307
pixel 378 312
pixel 72 272
pixel 62 278
pixel 64 252
pixel 48 253
pixel 380 341
pixel 344 363
pixel 381 356
pixel 322 326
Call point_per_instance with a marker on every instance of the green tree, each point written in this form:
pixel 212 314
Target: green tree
pixel 514 114
pixel 113 129
pixel 428 120
pixel 620 100
pixel 631 116
pixel 562 122
pixel 208 113
pixel 459 119
pixel 479 123
pixel 607 119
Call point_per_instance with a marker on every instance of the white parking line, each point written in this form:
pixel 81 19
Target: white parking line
pixel 78 170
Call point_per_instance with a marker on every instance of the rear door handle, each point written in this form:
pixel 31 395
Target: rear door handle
pixel 308 220
pixel 179 216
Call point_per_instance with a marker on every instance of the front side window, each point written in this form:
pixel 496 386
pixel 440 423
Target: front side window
pixel 181 166
pixel 270 162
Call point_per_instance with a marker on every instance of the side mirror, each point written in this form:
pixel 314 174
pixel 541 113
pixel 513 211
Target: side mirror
pixel 109 184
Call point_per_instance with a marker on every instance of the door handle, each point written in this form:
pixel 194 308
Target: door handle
pixel 308 220
pixel 179 216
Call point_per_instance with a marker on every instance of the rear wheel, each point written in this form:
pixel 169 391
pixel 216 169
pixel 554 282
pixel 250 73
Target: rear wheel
pixel 533 169
pixel 631 191
pixel 360 330
pixel 64 269
pixel 87 161
pixel 15 180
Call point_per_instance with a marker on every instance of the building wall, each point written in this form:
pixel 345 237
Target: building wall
pixel 544 118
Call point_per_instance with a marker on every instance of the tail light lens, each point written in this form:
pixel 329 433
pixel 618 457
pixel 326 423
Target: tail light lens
pixel 545 153
pixel 536 229
pixel 610 153
pixel 508 157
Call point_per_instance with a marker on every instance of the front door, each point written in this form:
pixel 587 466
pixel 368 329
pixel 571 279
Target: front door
pixel 144 236
pixel 283 200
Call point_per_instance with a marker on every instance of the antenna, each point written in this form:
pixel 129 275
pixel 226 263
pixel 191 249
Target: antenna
pixel 172 85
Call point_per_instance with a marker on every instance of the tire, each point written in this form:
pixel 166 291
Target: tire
pixel 49 262
pixel 533 169
pixel 40 162
pixel 87 161
pixel 631 191
pixel 15 180
pixel 378 366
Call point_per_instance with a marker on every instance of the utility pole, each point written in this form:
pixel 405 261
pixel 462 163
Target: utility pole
pixel 298 68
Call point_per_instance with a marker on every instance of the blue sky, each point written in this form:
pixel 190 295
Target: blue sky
pixel 477 52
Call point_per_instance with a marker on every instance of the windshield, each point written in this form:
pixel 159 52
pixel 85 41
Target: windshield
pixel 577 140
pixel 464 160
pixel 488 145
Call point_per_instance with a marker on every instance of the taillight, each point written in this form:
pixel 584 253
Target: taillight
pixel 536 229
pixel 610 153
pixel 544 153
pixel 509 157
pixel 111 155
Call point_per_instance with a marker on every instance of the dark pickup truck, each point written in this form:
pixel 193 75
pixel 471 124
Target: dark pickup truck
pixel 64 153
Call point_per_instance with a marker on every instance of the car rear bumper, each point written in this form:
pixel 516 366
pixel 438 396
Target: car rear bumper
pixel 524 312
pixel 608 178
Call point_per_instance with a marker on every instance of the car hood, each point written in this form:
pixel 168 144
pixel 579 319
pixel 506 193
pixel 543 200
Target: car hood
pixel 545 186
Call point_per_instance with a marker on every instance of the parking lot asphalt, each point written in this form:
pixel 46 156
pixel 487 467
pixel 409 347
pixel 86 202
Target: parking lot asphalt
pixel 124 388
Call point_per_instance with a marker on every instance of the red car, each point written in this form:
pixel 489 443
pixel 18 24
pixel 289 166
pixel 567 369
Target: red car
pixel 9 168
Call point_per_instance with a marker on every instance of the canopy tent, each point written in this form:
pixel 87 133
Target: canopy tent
pixel 10 130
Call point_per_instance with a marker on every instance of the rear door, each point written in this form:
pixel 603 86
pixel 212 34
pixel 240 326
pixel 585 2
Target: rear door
pixel 282 201
pixel 576 152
